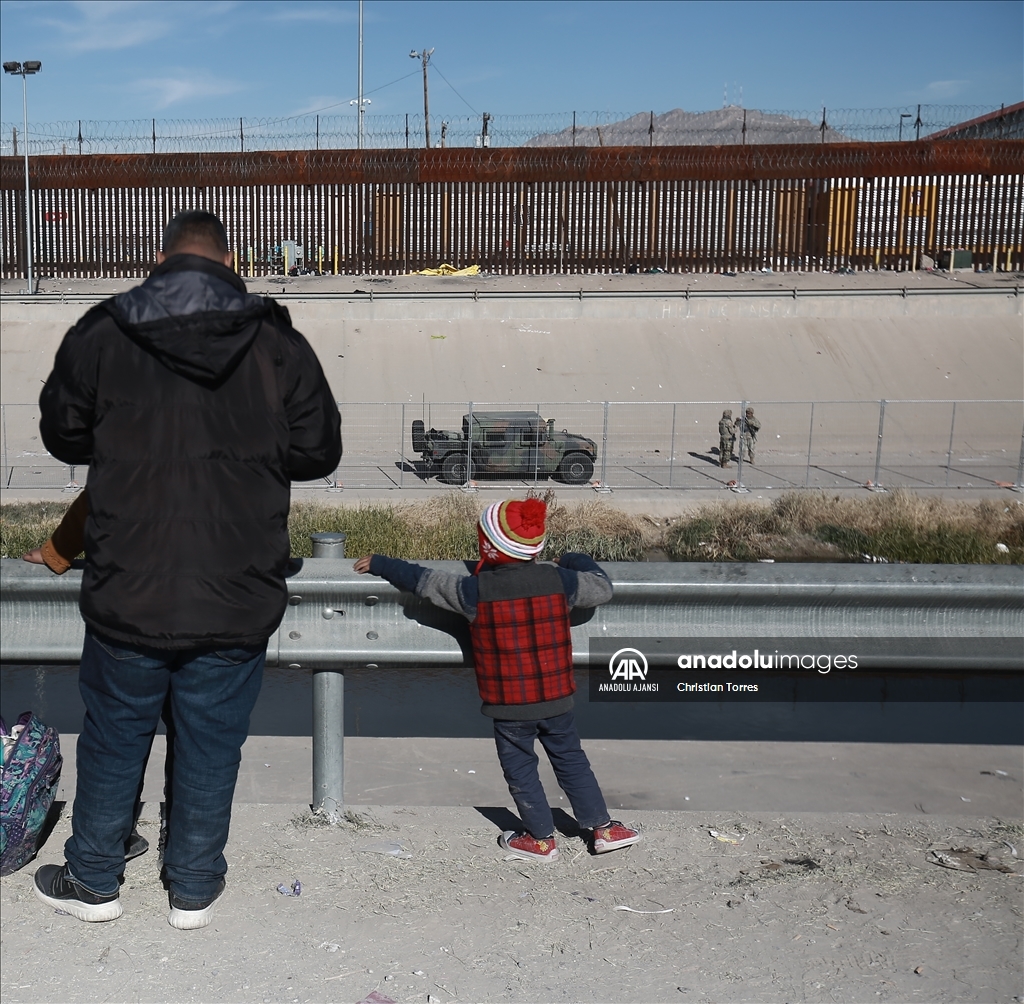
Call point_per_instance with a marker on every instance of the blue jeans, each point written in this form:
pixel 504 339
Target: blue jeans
pixel 211 695
pixel 561 742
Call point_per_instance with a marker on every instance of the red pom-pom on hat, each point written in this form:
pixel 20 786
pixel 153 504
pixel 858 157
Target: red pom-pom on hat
pixel 516 528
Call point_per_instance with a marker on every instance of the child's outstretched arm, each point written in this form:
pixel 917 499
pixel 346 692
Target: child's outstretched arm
pixel 446 590
pixel 586 582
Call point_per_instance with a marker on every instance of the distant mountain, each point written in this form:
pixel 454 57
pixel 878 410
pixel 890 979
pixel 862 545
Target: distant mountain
pixel 723 126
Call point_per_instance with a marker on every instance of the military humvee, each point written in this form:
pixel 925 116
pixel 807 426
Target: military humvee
pixel 513 443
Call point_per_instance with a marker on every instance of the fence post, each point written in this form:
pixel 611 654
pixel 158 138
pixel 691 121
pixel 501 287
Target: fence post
pixel 878 448
pixel 329 742
pixel 810 439
pixel 672 446
pixel 604 449
pixel 739 452
pixel 1019 486
pixel 401 450
pixel 949 452
pixel 469 446
pixel 3 424
pixel 536 450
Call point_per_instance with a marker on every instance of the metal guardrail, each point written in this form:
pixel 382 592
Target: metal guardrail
pixel 336 619
pixel 372 295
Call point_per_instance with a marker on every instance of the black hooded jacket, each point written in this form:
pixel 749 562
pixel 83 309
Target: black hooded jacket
pixel 195 405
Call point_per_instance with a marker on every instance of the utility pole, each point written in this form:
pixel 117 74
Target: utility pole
pixel 425 56
pixel 23 70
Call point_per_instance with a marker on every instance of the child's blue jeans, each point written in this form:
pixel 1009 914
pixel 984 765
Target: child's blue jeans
pixel 561 742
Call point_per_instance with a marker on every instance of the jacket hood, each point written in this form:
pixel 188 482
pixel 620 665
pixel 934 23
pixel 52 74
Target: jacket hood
pixel 194 315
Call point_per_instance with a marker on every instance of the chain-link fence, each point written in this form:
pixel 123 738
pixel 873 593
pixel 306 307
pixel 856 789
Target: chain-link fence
pixel 721 126
pixel 636 447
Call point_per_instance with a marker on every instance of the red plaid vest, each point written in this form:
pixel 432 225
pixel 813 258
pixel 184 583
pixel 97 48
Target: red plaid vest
pixel 522 648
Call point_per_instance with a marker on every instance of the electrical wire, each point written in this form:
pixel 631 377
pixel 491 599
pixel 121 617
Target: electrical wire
pixel 449 83
pixel 316 111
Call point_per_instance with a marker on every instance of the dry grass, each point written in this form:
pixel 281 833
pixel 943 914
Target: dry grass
pixel 815 526
pixel 24 525
pixel 805 526
pixel 444 527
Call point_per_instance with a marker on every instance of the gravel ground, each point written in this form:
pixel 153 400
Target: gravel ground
pixel 805 907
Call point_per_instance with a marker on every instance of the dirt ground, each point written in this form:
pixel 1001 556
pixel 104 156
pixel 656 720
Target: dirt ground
pixel 804 907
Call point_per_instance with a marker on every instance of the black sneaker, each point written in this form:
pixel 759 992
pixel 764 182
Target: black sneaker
pixel 55 886
pixel 135 846
pixel 190 916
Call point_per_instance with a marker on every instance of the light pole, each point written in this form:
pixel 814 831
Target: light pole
pixel 425 56
pixel 359 113
pixel 25 70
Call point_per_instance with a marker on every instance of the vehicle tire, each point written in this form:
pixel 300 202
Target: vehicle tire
pixel 576 469
pixel 453 469
pixel 419 436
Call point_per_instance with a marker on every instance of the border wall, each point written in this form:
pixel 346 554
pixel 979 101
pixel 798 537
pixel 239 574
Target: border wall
pixel 798 207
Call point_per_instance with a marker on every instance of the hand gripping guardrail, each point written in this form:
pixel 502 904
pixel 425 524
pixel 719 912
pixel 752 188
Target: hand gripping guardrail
pixel 336 619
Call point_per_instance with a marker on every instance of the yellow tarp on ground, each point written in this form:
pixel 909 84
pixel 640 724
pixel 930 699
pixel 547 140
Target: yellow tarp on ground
pixel 449 270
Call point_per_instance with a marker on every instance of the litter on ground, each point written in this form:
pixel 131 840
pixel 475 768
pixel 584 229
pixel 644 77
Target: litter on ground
pixel 629 909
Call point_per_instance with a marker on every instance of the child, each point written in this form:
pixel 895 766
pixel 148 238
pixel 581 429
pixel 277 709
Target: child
pixel 518 613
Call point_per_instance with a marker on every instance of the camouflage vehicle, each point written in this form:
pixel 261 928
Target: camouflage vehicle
pixel 512 443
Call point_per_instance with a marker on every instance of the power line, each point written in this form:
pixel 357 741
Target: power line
pixel 449 83
pixel 314 111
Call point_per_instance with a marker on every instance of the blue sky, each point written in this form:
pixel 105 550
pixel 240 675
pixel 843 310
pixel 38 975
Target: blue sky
pixel 115 60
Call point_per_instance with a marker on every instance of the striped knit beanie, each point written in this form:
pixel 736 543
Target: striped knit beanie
pixel 515 528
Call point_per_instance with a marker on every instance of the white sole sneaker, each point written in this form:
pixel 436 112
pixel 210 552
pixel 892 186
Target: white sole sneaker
pixel 91 913
pixel 503 842
pixel 190 920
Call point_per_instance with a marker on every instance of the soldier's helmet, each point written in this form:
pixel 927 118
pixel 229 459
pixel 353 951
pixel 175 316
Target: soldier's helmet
pixel 727 413
pixel 750 411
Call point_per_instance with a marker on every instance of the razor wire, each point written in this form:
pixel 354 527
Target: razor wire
pixel 731 125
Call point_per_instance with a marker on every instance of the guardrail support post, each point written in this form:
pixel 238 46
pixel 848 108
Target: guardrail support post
pixel 401 450
pixel 329 742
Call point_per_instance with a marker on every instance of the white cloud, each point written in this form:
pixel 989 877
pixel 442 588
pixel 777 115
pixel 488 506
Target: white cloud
pixel 107 26
pixel 942 89
pixel 186 86
pixel 321 14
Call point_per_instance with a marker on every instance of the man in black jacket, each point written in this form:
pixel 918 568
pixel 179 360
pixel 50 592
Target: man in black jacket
pixel 195 405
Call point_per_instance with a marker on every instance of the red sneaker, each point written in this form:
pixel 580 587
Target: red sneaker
pixel 522 845
pixel 613 836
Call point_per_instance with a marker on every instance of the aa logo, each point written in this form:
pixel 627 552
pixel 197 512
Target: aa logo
pixel 628 664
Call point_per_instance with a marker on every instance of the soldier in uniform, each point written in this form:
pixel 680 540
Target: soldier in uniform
pixel 749 427
pixel 726 438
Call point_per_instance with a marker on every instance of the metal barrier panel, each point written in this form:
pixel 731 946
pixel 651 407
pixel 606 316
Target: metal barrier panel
pixel 844 443
pixel 957 444
pixel 632 446
pixel 27 463
pixel 640 444
pixel 986 443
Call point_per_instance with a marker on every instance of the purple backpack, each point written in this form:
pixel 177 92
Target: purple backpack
pixel 31 772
